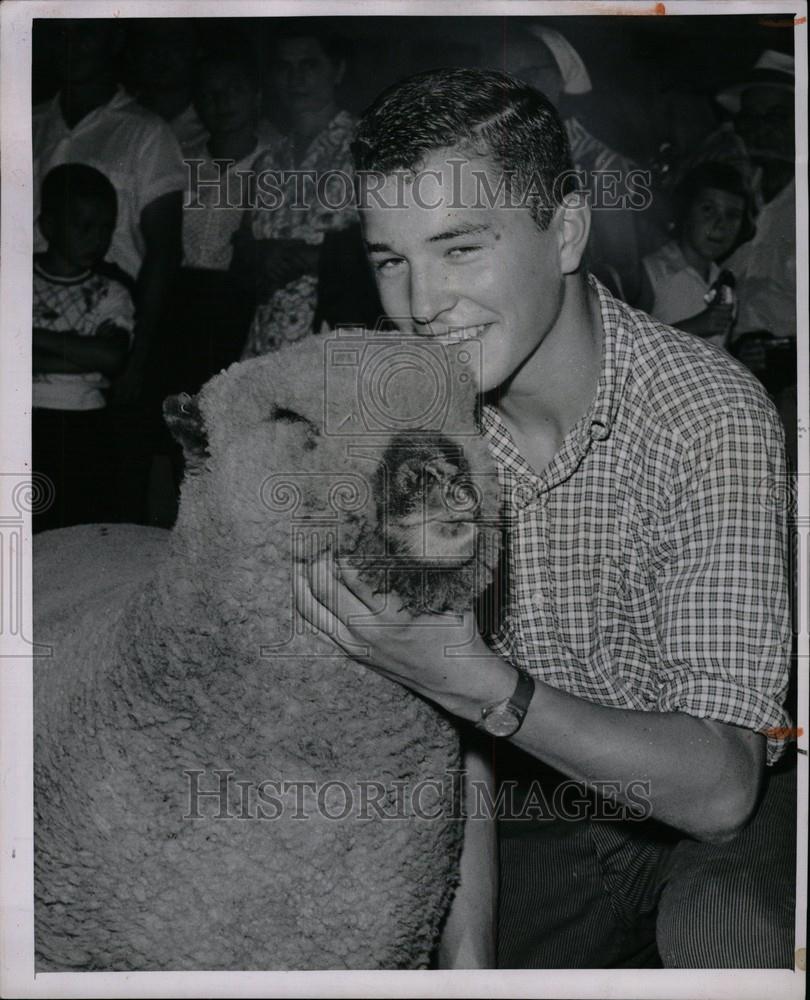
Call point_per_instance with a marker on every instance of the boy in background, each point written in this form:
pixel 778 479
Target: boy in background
pixel 713 216
pixel 82 332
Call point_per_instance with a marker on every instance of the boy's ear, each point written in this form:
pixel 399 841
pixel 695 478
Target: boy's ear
pixel 575 226
pixel 184 420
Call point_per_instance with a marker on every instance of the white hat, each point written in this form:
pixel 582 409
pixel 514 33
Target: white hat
pixel 572 69
pixel 772 69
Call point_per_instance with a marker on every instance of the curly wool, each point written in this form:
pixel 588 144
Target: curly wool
pixel 179 663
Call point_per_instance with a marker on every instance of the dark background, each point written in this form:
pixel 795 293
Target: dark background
pixel 653 77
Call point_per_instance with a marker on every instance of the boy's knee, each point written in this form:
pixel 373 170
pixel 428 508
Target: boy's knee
pixel 720 920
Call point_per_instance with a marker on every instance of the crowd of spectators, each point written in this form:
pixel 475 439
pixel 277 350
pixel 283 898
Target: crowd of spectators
pixel 156 266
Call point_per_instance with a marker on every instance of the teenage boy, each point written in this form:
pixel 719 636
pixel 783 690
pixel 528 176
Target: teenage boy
pixel 645 636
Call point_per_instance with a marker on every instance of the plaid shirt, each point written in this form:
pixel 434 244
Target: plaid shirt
pixel 647 564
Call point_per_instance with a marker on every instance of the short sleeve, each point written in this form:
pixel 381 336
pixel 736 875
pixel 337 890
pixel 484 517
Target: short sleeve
pixel 723 619
pixel 159 164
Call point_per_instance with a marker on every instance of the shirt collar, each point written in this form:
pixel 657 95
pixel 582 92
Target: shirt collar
pixel 617 355
pixel 118 100
pixel 597 422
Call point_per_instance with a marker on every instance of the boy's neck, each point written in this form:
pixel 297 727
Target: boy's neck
pixel 52 262
pixel 556 385
pixel 77 100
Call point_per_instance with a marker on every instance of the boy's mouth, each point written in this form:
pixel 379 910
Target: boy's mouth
pixel 461 333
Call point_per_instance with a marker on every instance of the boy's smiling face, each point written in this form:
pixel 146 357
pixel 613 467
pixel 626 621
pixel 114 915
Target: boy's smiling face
pixel 713 222
pixel 452 263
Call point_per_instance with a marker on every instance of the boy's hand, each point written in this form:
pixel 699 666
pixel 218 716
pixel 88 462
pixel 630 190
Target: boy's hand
pixel 414 650
pixel 108 328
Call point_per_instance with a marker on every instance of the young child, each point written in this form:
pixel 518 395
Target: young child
pixel 82 332
pixel 680 281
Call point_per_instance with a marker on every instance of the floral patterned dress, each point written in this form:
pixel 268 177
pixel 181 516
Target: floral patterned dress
pixel 303 202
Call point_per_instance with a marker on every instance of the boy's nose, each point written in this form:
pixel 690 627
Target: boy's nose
pixel 430 297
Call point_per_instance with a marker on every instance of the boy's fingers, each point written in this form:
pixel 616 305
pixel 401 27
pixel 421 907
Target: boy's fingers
pixel 355 585
pixel 310 608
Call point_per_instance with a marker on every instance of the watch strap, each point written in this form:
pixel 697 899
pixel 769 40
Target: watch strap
pixel 517 705
pixel 522 695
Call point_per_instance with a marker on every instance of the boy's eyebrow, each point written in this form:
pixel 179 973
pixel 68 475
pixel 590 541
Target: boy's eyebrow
pixel 462 229
pixel 377 248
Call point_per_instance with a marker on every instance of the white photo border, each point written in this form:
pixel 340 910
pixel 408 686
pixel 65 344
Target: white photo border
pixel 16 769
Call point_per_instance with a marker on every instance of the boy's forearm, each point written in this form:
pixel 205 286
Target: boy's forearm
pixel 46 362
pixel 77 354
pixel 698 775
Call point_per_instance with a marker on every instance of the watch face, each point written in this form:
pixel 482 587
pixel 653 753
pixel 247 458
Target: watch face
pixel 501 722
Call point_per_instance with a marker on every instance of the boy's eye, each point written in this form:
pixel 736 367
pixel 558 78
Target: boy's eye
pixel 387 263
pixel 462 251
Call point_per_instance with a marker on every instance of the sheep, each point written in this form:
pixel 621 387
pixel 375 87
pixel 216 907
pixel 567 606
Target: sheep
pixel 185 706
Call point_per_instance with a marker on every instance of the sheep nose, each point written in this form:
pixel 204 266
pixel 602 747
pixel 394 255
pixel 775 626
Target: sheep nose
pixel 441 470
pixel 447 488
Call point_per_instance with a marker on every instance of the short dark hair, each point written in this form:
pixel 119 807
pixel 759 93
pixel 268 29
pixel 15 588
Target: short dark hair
pixel 721 177
pixel 492 113
pixel 72 182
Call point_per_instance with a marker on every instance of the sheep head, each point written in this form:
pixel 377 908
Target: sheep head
pixel 363 443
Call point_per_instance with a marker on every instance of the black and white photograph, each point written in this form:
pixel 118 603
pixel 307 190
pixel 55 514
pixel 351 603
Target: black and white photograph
pixel 404 499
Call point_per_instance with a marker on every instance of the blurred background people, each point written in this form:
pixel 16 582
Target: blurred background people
pixel 161 53
pixel 280 245
pixel 545 59
pixel 764 338
pixel 82 330
pixel 210 310
pixel 92 120
pixel 681 281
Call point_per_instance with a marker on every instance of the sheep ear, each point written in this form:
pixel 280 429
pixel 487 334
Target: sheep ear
pixel 184 420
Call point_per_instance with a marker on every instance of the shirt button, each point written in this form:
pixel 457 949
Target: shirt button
pixel 537 599
pixel 524 493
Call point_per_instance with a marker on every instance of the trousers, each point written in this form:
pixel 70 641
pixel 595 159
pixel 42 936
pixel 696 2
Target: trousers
pixel 595 894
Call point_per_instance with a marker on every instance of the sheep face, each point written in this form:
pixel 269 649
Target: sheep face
pixel 384 466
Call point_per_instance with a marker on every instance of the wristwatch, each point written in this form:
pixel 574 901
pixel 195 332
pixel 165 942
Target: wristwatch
pixel 505 717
